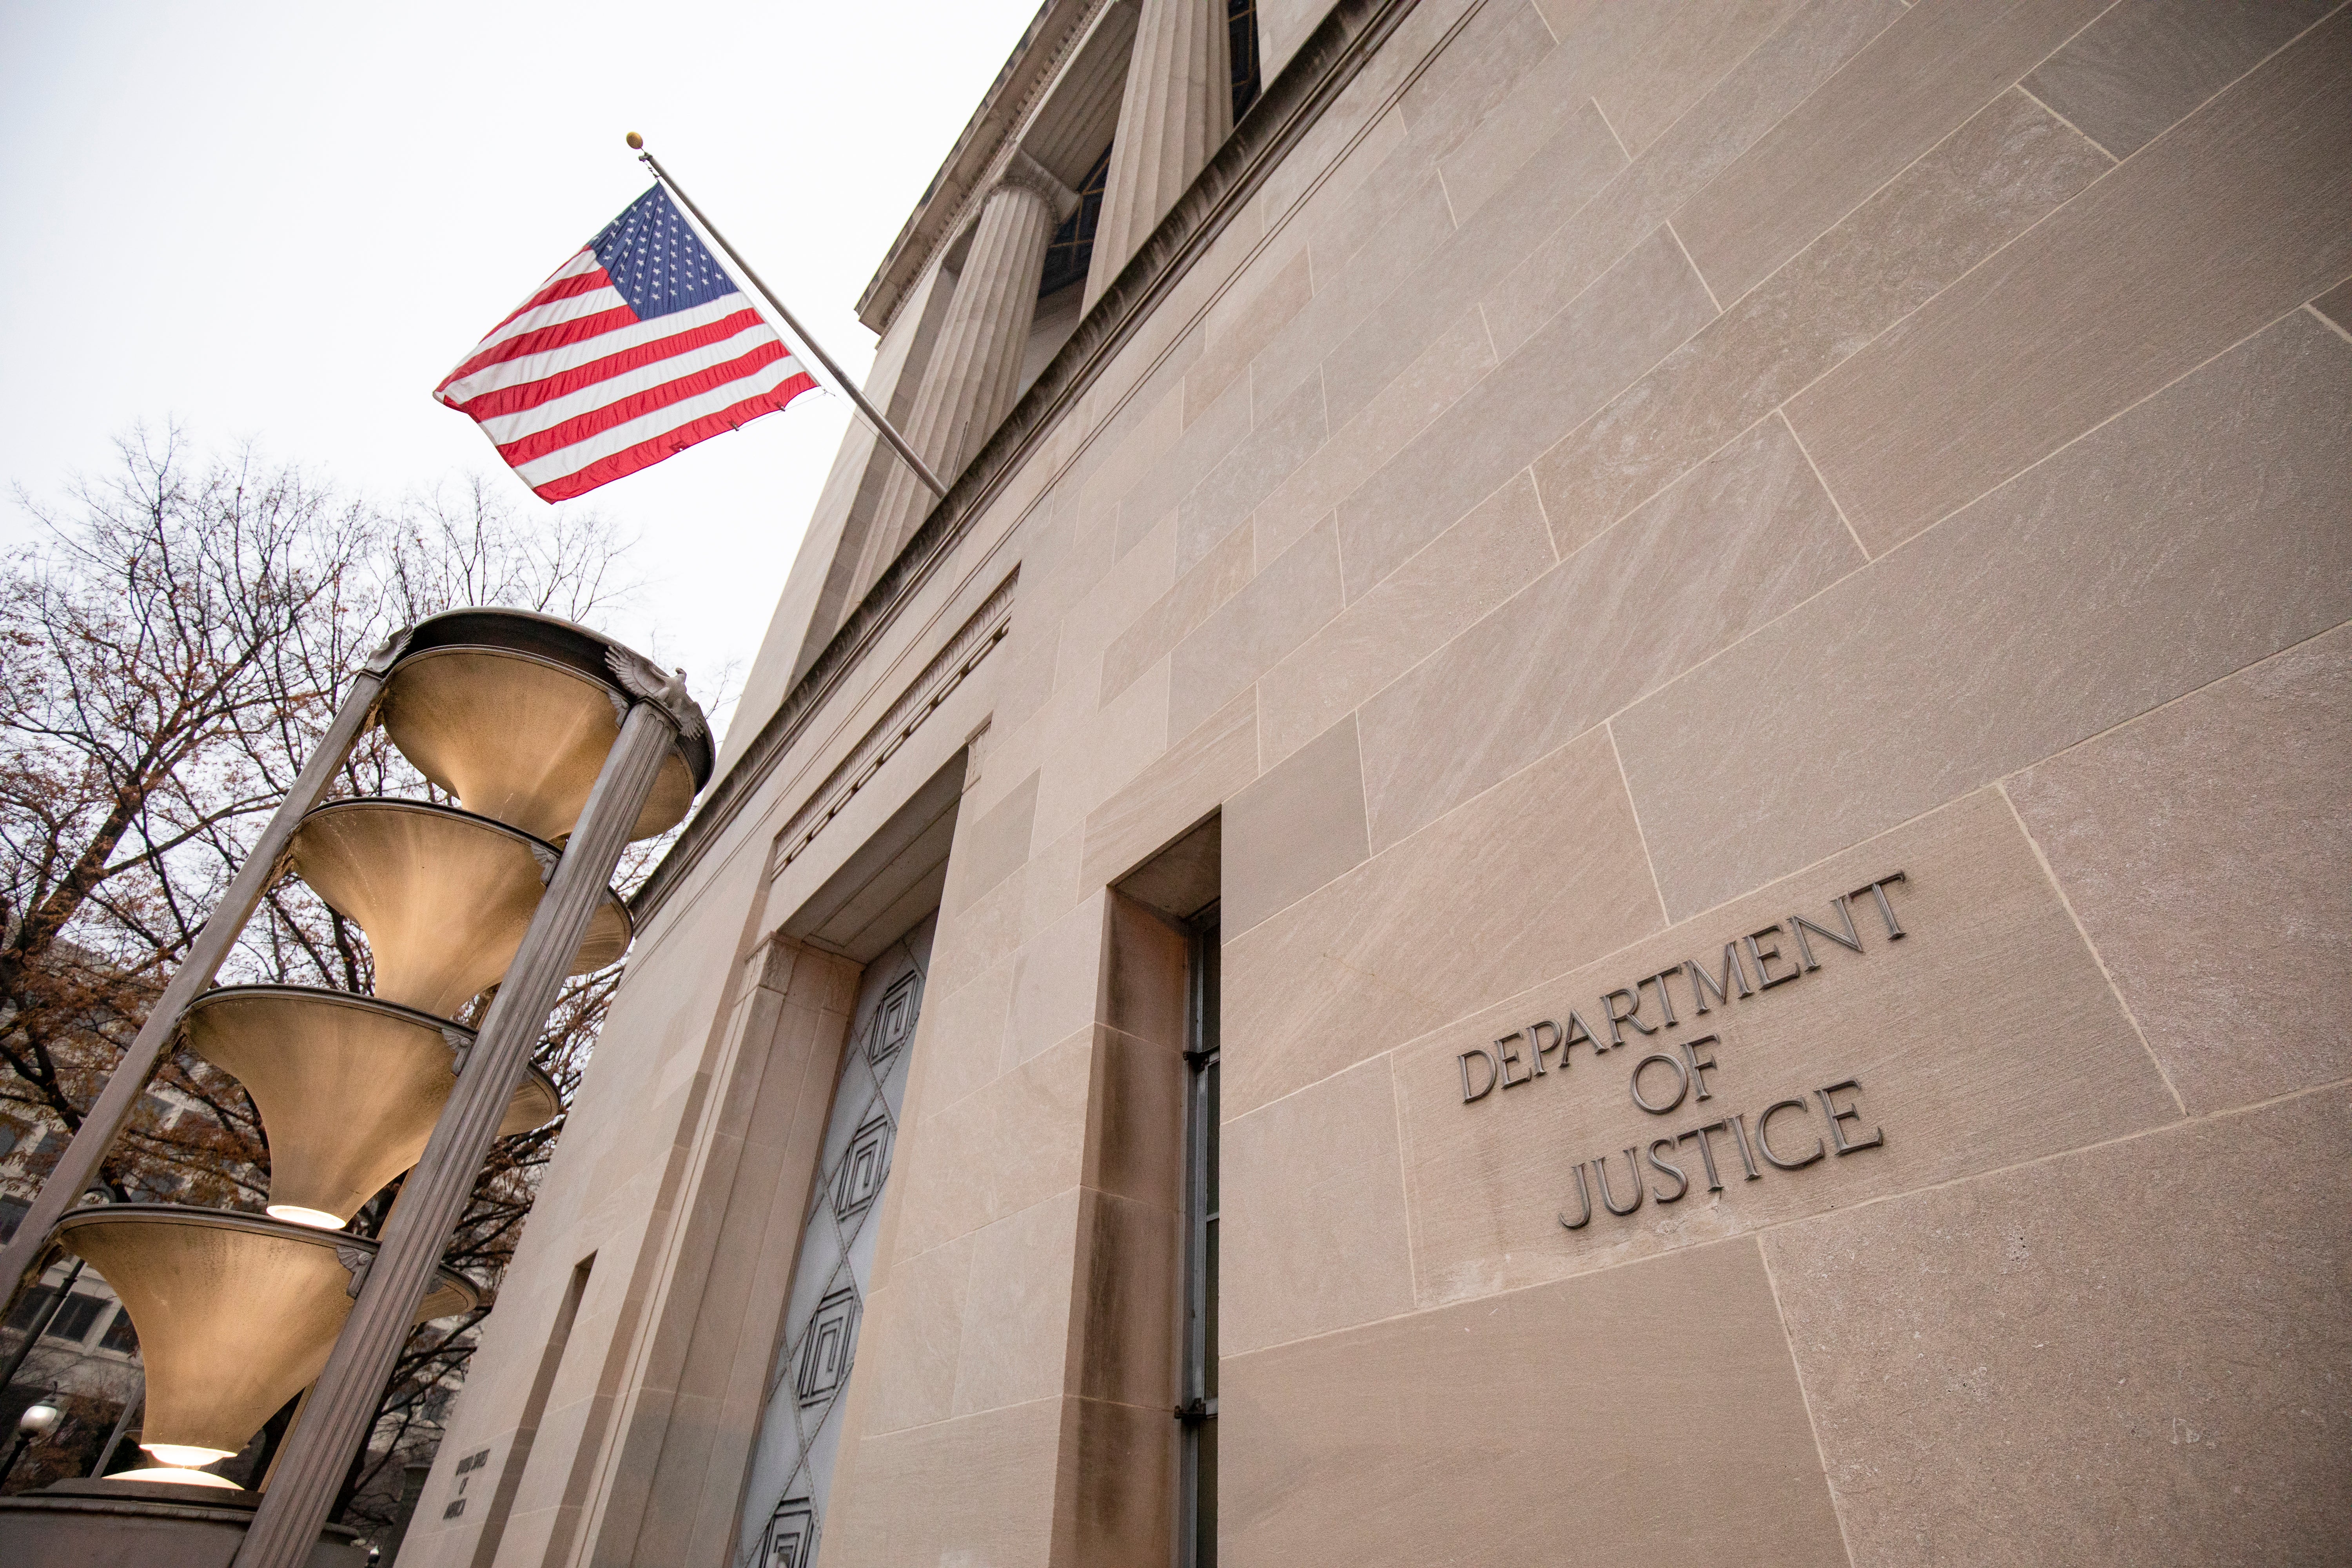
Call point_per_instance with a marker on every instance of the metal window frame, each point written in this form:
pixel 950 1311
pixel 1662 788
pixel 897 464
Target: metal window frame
pixel 1196 1511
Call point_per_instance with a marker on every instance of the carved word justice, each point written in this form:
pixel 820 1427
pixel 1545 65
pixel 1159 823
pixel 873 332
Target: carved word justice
pixel 1662 1081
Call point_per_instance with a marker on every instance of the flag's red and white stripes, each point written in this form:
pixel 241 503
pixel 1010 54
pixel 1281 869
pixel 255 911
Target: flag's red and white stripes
pixel 575 390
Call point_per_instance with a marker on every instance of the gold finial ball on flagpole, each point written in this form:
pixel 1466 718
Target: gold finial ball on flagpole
pixel 636 142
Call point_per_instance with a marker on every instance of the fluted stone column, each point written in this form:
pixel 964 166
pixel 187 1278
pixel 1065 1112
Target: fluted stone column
pixel 975 367
pixel 1178 109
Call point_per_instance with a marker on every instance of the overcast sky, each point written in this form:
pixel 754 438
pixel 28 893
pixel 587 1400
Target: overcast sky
pixel 288 222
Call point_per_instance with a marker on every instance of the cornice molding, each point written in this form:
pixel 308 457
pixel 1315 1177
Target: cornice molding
pixel 968 172
pixel 948 668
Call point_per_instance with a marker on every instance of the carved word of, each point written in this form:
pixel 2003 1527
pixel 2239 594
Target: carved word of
pixel 1520 1056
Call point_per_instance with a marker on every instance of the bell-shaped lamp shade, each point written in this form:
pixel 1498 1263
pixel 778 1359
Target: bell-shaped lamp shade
pixel 443 895
pixel 349 1089
pixel 517 738
pixel 235 1314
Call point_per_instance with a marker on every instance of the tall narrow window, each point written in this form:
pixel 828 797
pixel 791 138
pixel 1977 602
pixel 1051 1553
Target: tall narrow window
pixel 799 1432
pixel 1072 249
pixel 1241 24
pixel 1197 1471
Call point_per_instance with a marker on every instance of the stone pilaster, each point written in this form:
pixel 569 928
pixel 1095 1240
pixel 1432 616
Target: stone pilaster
pixel 1177 110
pixel 975 368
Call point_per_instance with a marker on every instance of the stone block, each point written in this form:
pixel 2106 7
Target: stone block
pixel 1280 608
pixel 1895 691
pixel 1452 582
pixel 1630 319
pixel 1195 775
pixel 1913 85
pixel 2141 278
pixel 1583 1421
pixel 1988 182
pixel 1576 247
pixel 1016 1141
pixel 1738 543
pixel 1298 827
pixel 2134 1354
pixel 996 844
pixel 914 1326
pixel 1016 1313
pixel 2203 847
pixel 2137 72
pixel 1312 1223
pixel 1543 870
pixel 1454 362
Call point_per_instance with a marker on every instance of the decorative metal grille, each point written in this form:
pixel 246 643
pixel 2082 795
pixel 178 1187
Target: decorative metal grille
pixel 799 1431
pixel 792 1536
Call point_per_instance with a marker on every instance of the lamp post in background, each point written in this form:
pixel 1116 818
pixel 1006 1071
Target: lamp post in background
pixel 39 1419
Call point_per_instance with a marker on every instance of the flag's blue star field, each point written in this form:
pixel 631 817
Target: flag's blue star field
pixel 656 261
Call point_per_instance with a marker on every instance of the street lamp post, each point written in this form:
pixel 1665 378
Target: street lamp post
pixel 561 747
pixel 39 1419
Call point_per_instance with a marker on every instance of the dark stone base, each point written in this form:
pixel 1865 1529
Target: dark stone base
pixel 103 1523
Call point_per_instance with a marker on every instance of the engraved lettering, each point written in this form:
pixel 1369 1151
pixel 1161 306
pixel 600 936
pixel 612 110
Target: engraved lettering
pixel 1682 1082
pixel 1493 1071
pixel 1666 996
pixel 1584 1198
pixel 1632 993
pixel 1699 1066
pixel 1578 1033
pixel 1682 1183
pixel 1799 925
pixel 1537 1047
pixel 1765 978
pixel 1851 1114
pixel 1702 981
pixel 1877 890
pixel 1507 1053
pixel 1764 1137
pixel 1607 1198
pixel 1706 1154
pixel 1747 1156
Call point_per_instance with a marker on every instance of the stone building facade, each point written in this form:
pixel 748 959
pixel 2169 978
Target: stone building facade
pixel 1711 633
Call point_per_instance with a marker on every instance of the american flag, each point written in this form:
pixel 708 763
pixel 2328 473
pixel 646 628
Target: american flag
pixel 637 347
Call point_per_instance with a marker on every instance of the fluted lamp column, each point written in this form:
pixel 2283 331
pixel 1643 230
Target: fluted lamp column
pixel 975 367
pixel 1177 110
pixel 342 1404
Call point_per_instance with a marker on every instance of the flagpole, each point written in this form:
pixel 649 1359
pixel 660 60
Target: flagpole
pixel 874 416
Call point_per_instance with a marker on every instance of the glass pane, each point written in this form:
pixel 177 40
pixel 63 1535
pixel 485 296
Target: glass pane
pixel 1205 1512
pixel 1209 1312
pixel 1212 1135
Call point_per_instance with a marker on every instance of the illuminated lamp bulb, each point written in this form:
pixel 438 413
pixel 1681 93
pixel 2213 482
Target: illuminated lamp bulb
pixel 187 1456
pixel 349 1089
pixel 443 895
pixel 235 1314
pixel 518 737
pixel 166 1475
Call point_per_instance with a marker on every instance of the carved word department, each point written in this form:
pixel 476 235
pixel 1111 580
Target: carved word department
pixel 1663 1081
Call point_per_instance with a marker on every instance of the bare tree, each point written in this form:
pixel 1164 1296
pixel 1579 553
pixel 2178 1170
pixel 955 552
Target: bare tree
pixel 170 652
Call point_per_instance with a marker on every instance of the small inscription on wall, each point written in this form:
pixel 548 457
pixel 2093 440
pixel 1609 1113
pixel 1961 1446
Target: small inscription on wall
pixel 1661 1034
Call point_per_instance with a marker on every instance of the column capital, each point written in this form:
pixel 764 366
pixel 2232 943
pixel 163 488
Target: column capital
pixel 1023 172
